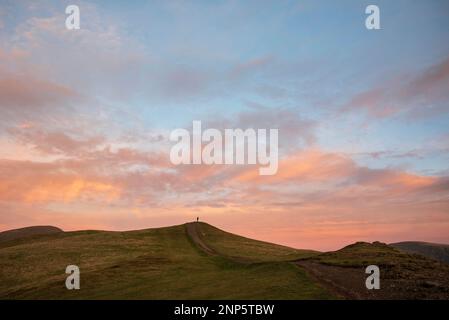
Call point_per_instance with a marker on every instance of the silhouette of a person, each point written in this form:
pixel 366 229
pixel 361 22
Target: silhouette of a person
pixel 197 218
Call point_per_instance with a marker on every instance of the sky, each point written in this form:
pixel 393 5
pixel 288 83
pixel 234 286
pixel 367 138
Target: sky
pixel 363 117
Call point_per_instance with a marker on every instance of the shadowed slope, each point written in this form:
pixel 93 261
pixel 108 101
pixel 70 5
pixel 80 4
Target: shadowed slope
pixel 435 251
pixel 27 232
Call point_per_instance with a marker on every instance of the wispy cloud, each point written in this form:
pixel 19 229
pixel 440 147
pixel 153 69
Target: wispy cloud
pixel 423 94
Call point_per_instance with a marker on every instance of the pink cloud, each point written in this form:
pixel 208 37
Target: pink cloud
pixel 29 94
pixel 424 94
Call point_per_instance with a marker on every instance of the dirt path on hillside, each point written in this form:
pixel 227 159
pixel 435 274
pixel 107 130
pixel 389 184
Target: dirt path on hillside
pixel 194 232
pixel 349 282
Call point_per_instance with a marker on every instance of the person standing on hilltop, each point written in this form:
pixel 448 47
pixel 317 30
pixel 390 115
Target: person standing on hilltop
pixel 197 219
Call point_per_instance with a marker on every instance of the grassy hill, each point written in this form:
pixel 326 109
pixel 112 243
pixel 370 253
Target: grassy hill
pixel 431 250
pixel 199 261
pixel 27 232
pixel 164 263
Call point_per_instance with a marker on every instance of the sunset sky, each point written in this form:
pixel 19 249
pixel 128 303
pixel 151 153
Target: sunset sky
pixel 363 117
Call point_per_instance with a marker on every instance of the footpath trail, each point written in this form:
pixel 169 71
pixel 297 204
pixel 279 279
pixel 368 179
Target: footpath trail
pixel 316 272
pixel 343 282
pixel 194 232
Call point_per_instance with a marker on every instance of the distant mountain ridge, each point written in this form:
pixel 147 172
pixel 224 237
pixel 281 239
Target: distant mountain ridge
pixel 435 251
pixel 15 234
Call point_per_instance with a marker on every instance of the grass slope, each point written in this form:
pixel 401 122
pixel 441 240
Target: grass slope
pixel 244 249
pixel 163 263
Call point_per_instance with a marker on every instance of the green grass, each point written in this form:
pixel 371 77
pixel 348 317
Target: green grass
pixel 245 249
pixel 152 264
